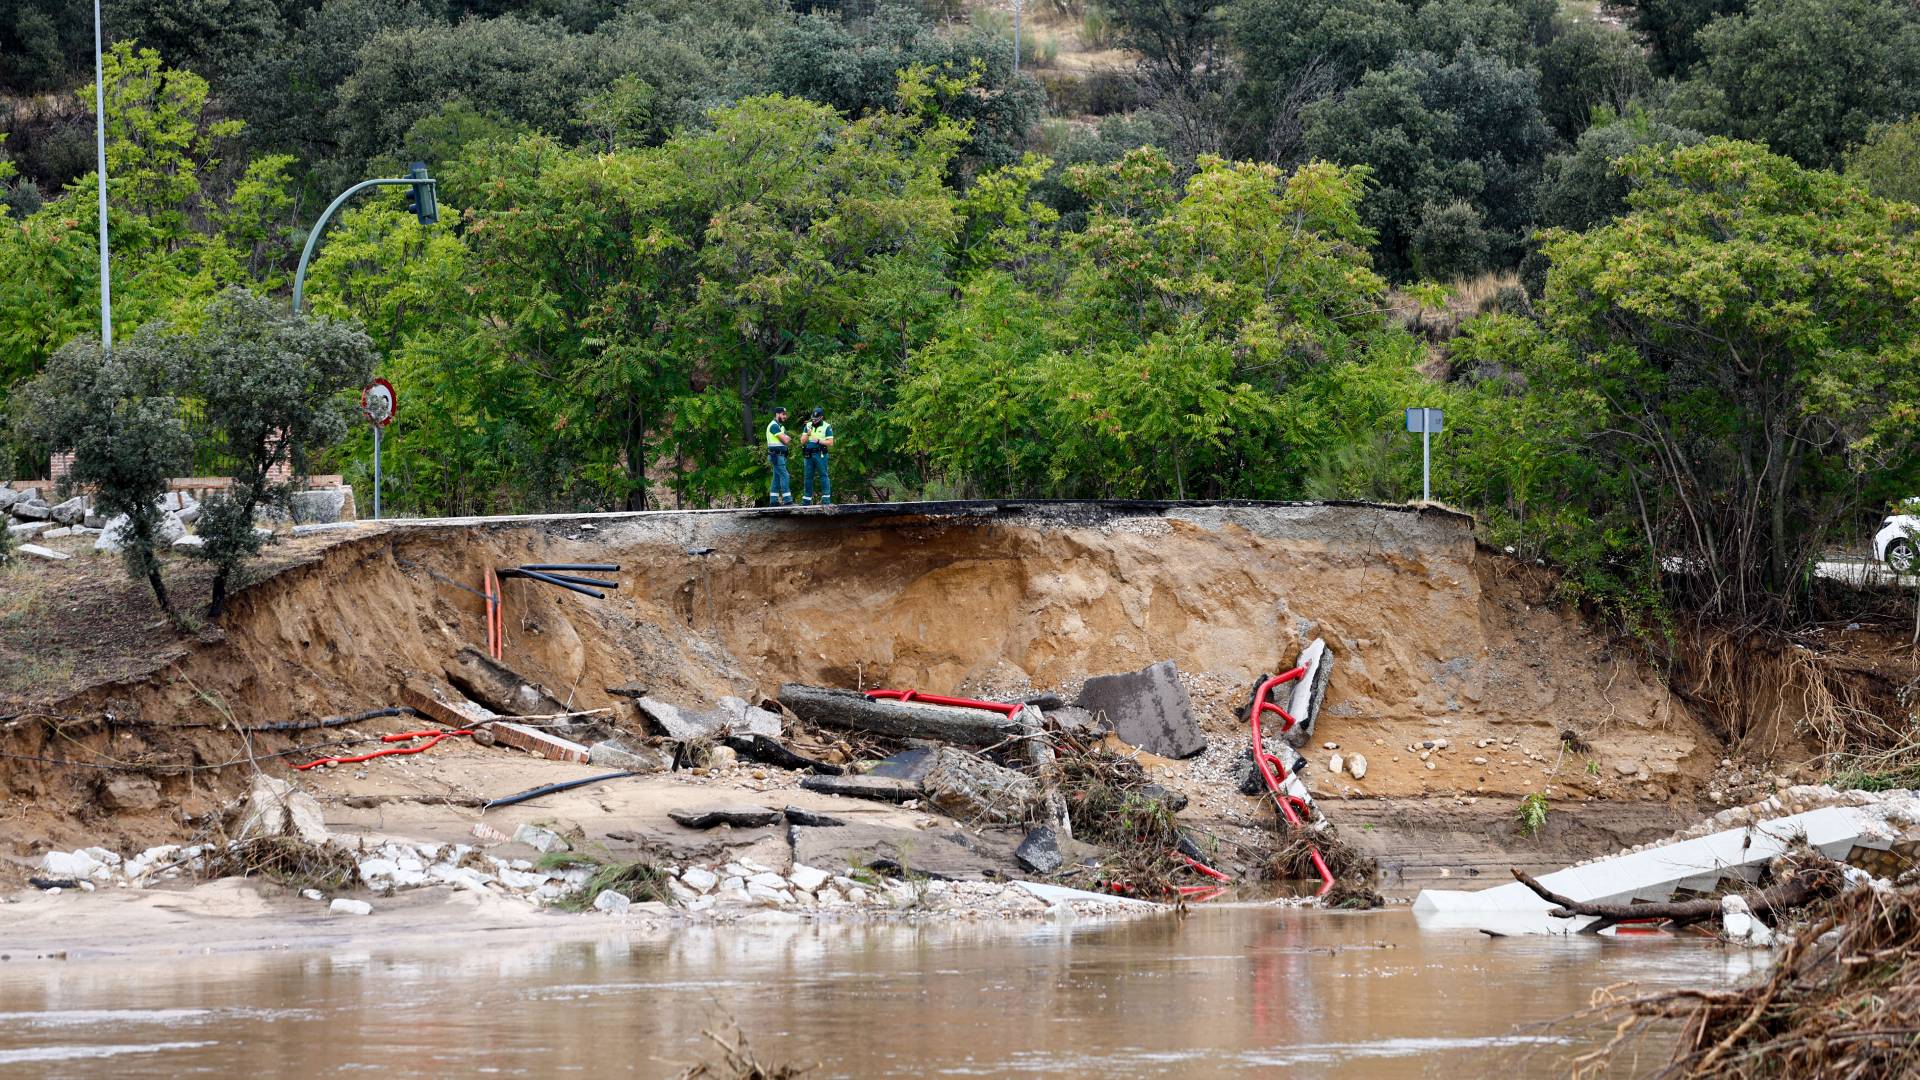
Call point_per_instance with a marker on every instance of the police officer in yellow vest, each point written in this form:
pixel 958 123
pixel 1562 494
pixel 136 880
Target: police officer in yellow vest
pixel 781 491
pixel 816 438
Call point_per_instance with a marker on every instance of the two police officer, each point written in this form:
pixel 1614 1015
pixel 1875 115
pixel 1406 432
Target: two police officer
pixel 816 440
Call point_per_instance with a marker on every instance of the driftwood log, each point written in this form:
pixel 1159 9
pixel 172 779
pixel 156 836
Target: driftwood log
pixel 1046 767
pixel 1809 884
pixel 850 710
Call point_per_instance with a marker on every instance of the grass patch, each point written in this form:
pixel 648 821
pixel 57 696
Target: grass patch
pixel 1109 804
pixel 637 881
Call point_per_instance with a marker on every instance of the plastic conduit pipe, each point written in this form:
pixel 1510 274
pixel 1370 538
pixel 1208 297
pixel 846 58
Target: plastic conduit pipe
pixel 1272 771
pixel 434 739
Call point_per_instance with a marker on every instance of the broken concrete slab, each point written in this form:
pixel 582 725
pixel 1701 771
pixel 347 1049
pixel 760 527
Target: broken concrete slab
pixel 1060 894
pixel 1148 709
pixel 883 788
pixel 1039 853
pixel 71 512
pixel 498 686
pixel 1308 691
pixel 28 529
pixel 740 817
pixel 951 856
pixel 541 839
pixel 973 789
pixel 797 816
pixel 676 723
pixel 853 711
pixel 43 552
pixel 741 718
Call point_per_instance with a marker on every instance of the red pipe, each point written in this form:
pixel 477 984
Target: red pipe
pixel 1004 708
pixel 434 738
pixel 1270 765
pixel 1204 869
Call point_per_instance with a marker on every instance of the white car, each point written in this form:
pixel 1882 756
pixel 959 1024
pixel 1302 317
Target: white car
pixel 1894 544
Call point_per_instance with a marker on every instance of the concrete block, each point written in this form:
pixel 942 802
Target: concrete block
pixel 318 506
pixel 1148 709
pixel 29 528
pixel 44 552
pixel 32 510
pixel 71 512
pixel 343 906
pixel 678 724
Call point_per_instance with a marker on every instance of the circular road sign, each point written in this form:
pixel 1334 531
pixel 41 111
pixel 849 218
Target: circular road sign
pixel 379 401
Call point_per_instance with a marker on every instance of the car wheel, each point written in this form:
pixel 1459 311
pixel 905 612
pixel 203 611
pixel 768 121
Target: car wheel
pixel 1900 556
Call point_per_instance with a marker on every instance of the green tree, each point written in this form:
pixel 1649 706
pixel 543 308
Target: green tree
pixel 1889 161
pixel 1752 329
pixel 276 389
pixel 1670 28
pixel 1808 78
pixel 119 414
pixel 1584 187
pixel 1590 69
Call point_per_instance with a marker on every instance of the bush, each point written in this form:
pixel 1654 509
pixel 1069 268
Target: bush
pixel 117 411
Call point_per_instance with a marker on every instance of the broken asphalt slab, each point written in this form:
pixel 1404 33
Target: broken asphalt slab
pixel 740 817
pixel 950 856
pixel 1148 709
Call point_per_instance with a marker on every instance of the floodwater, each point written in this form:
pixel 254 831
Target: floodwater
pixel 1225 992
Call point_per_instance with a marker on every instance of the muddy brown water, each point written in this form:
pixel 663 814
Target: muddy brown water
pixel 1226 992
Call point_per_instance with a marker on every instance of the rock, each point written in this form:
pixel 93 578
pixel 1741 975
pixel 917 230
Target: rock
pixel 190 541
pixel 1357 766
pixel 32 510
pixel 1626 767
pixel 71 512
pixel 1336 765
pixel 1431 765
pixel 1736 918
pixel 680 725
pixel 277 808
pixel 1441 744
pixel 64 864
pixel 1246 778
pixel 722 757
pixel 628 754
pixel 171 528
pixel 1039 853
pixel 540 839
pixel 43 552
pixel 611 902
pixel 767 894
pixel 57 534
pixel 131 793
pixel 699 879
pixel 952 855
pixel 1330 746
pixel 910 764
pixel 344 906
pixel 806 878
pixel 8 497
pixel 320 505
pixel 1078 722
pixel 797 816
pixel 19 532
pixel 976 790
pixel 1480 760
pixel 740 817
pixel 1148 709
pixel 312 894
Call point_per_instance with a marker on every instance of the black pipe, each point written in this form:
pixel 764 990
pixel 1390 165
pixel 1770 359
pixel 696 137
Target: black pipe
pixel 537 576
pixel 577 580
pixel 549 789
pixel 573 566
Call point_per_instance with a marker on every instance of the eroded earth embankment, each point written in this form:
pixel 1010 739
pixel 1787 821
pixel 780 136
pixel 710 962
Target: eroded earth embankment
pixel 1435 640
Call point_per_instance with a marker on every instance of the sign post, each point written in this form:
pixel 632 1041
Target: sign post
pixel 378 402
pixel 1427 422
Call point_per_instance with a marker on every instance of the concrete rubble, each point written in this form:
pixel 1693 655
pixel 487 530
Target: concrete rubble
pixel 1147 708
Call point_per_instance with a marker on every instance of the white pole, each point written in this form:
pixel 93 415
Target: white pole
pixel 1426 458
pixel 376 472
pixel 100 146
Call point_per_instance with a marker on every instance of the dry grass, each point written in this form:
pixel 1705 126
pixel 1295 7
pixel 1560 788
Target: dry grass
pixel 1493 292
pixel 1843 1000
pixel 1109 805
pixel 1353 871
pixel 637 881
pixel 1756 685
pixel 288 860
pixel 737 1062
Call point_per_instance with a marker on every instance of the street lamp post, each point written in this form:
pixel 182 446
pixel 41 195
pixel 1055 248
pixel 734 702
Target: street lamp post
pixel 423 202
pixel 100 148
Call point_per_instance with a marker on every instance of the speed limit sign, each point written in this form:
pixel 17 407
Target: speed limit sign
pixel 378 402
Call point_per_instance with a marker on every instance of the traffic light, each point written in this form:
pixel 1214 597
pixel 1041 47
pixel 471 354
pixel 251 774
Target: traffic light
pixel 421 199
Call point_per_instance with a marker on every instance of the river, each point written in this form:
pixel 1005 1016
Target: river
pixel 1230 991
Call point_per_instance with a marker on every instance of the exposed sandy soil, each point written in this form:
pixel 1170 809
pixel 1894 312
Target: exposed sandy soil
pixel 1433 638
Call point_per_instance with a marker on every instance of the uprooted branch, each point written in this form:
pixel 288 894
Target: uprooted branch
pixel 1813 882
